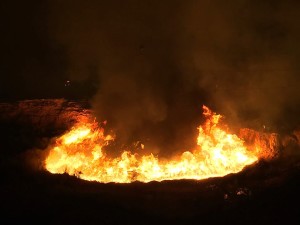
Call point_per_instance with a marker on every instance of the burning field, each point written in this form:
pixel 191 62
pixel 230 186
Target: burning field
pixel 245 177
pixel 150 112
pixel 80 152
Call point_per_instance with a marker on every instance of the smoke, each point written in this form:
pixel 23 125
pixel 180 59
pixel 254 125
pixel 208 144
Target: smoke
pixel 245 53
pixel 155 63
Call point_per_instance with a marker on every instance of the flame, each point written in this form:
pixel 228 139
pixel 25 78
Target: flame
pixel 80 152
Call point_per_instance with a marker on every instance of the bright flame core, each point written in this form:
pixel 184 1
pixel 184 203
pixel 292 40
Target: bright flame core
pixel 79 152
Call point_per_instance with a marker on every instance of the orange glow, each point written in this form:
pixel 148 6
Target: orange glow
pixel 80 152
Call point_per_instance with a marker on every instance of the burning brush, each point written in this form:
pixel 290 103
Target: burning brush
pixel 81 152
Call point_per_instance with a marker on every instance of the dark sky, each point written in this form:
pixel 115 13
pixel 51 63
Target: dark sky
pixel 153 63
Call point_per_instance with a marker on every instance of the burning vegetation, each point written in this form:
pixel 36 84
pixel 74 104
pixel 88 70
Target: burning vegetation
pixel 83 149
pixel 80 152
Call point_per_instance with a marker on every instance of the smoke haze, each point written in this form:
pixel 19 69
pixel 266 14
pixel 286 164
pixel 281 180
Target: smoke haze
pixel 150 65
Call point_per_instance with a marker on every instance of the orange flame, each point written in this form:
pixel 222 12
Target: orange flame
pixel 80 152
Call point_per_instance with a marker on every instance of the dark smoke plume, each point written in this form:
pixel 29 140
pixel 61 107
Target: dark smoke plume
pixel 245 53
pixel 155 63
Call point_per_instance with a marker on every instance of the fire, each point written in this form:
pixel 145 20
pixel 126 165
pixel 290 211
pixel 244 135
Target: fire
pixel 80 152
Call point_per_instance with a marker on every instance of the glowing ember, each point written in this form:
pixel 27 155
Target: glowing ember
pixel 79 152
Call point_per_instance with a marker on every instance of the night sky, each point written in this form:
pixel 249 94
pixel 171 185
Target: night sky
pixel 148 65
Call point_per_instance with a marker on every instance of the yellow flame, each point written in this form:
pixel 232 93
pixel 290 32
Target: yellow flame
pixel 80 152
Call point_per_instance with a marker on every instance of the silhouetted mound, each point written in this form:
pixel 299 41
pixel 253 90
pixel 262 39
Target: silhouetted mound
pixel 29 124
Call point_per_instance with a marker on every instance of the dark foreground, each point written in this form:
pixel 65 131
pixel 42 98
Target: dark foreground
pixel 264 193
pixel 257 196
